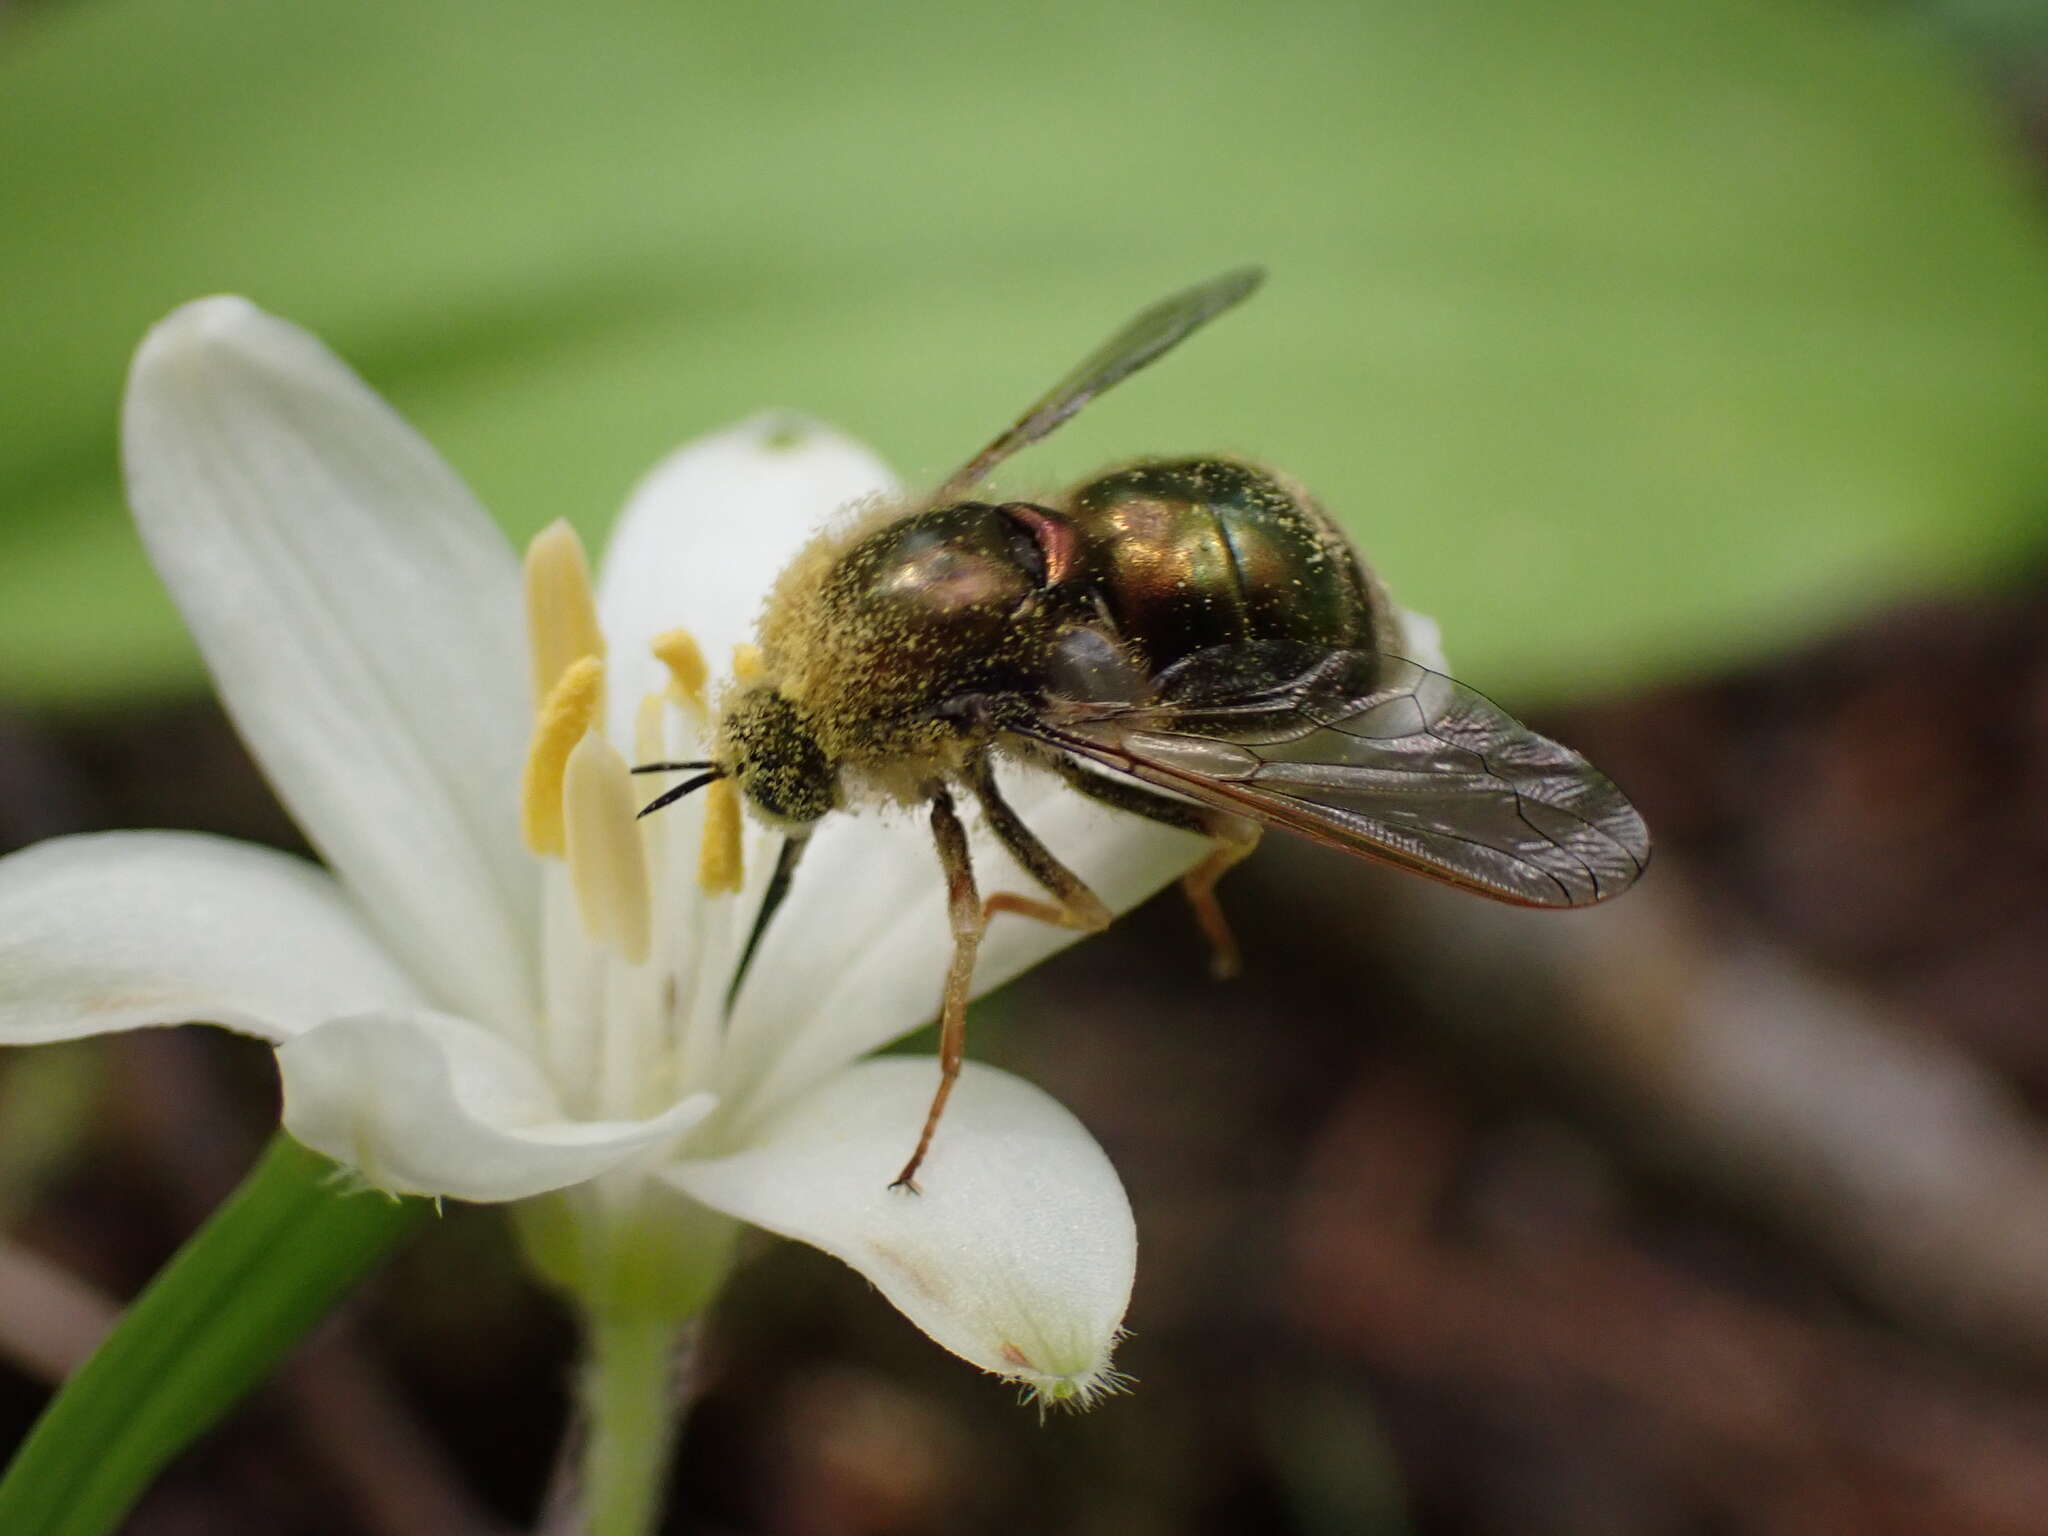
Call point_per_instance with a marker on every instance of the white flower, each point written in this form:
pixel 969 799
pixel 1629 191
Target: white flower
pixel 456 1016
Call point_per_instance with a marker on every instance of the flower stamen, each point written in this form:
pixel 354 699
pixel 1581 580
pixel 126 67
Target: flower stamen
pixel 566 716
pixel 561 613
pixel 719 864
pixel 607 859
pixel 677 649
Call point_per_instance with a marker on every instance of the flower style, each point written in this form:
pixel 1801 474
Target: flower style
pixel 457 1016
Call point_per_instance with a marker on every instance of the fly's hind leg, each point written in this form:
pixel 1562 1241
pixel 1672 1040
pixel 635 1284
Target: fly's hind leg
pixel 1073 906
pixel 1232 839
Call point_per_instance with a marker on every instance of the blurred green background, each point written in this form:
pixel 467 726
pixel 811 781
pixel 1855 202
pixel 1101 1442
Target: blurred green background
pixel 1627 338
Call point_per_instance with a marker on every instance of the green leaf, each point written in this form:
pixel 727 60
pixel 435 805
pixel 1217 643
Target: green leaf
pixel 1627 337
pixel 234 1301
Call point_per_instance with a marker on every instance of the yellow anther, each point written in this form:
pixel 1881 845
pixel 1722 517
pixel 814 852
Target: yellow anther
pixel 718 858
pixel 677 650
pixel 607 863
pixel 746 663
pixel 561 615
pixel 569 711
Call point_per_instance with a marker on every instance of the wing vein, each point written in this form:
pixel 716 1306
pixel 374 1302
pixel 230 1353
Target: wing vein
pixel 1376 755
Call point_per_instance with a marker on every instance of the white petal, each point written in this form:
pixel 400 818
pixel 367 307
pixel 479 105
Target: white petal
pixel 1017 1256
pixel 120 929
pixel 361 616
pixel 427 1104
pixel 706 533
pixel 859 951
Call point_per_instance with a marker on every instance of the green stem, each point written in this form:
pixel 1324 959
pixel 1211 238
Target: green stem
pixel 630 1405
pixel 237 1298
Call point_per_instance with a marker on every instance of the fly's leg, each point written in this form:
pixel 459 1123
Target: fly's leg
pixel 1074 906
pixel 963 912
pixel 1232 839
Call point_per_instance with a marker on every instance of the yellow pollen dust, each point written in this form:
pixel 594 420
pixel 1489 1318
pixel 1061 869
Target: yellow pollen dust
pixel 677 650
pixel 719 867
pixel 565 717
pixel 561 614
pixel 747 665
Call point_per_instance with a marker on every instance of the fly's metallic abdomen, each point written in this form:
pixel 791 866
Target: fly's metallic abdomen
pixel 1192 553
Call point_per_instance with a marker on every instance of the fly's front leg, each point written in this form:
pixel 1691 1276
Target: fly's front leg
pixel 964 913
pixel 1232 839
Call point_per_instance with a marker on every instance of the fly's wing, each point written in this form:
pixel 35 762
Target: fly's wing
pixel 1376 755
pixel 1158 330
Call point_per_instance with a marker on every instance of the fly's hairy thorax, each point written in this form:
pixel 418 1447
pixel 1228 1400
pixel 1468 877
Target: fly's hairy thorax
pixel 874 626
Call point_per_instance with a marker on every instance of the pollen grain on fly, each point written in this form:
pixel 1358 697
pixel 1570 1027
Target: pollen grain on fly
pixel 570 709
